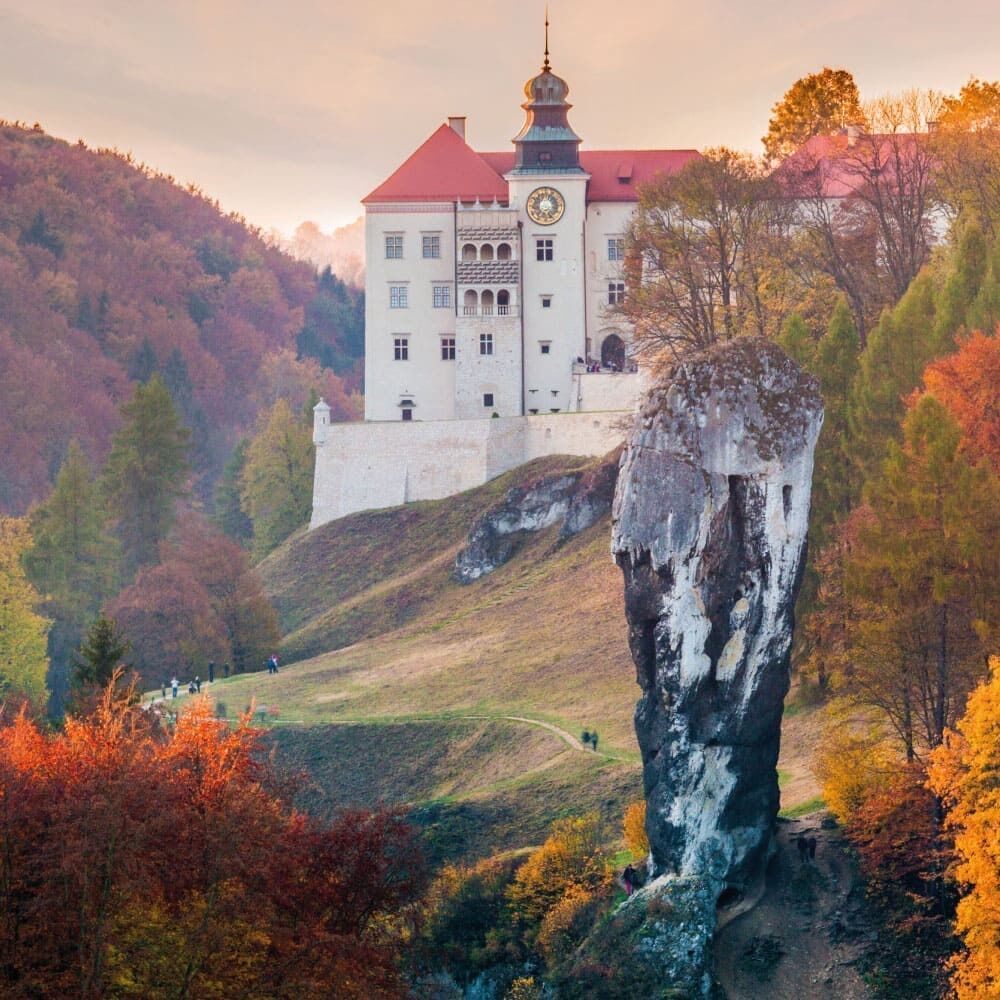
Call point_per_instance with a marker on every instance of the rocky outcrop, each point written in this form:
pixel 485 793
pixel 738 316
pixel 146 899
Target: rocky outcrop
pixel 710 519
pixel 709 528
pixel 577 499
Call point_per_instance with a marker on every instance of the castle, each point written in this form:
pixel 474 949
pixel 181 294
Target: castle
pixel 491 334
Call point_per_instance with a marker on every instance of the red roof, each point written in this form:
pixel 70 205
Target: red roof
pixel 445 168
pixel 835 166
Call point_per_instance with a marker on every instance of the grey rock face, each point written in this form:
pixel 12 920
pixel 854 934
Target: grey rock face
pixel 709 528
pixel 577 499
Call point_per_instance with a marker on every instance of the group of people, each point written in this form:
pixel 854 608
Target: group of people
pixel 595 367
pixel 194 685
pixel 807 848
pixel 272 664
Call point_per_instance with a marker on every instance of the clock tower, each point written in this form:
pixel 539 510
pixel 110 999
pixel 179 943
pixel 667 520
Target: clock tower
pixel 548 189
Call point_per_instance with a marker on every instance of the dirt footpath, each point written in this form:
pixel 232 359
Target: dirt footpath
pixel 803 938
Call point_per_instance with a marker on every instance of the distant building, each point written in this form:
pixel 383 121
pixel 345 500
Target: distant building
pixel 491 286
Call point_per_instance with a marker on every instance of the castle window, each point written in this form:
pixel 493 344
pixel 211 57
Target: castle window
pixel 503 302
pixel 616 248
pixel 468 253
pixel 616 293
pixel 394 246
pixel 486 251
pixel 431 245
pixel 401 348
pixel 406 413
pixel 545 346
pixel 486 343
pixel 503 251
pixel 398 297
pixel 447 348
pixel 546 301
pixel 487 399
pixel 543 249
pixel 442 296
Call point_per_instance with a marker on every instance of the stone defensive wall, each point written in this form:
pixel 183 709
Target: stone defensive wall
pixel 366 466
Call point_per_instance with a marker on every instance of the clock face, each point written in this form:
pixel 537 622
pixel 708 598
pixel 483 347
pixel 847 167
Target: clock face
pixel 545 206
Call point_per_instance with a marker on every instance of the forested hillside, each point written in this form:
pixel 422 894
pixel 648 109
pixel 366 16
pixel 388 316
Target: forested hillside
pixel 109 273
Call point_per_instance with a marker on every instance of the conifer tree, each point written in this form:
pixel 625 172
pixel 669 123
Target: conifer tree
pixel 146 471
pixel 144 362
pixel 23 659
pixel 229 515
pixel 797 342
pixel 276 485
pixel 101 653
pixel 72 562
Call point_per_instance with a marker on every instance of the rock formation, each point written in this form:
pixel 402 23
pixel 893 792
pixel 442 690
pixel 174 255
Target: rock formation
pixel 578 499
pixel 710 517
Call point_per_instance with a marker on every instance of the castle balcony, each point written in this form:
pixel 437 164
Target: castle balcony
pixel 488 311
pixel 487 223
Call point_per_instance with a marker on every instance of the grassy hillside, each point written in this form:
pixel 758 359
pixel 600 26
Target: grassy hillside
pixel 466 701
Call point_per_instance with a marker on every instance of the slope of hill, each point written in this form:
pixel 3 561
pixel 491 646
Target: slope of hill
pixel 109 272
pixel 466 702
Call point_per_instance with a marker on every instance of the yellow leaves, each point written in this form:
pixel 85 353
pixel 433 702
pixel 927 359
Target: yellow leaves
pixel 965 773
pixel 634 829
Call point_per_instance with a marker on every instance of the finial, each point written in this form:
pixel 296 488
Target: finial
pixel 545 65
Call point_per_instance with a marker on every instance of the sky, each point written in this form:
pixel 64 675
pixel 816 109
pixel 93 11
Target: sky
pixel 294 110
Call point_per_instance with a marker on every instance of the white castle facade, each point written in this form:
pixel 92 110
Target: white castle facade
pixel 491 334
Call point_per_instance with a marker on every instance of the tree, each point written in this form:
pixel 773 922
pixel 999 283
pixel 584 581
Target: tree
pixel 702 248
pixel 865 203
pixel 634 829
pixel 968 147
pixel 100 656
pixel 967 383
pixel 920 584
pixel 146 471
pixel 144 363
pixel 72 562
pixel 229 514
pixel 818 104
pixel 964 773
pixel 276 486
pixel 23 659
pixel 181 869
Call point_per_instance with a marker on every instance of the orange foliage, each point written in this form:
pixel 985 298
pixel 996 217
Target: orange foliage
pixel 145 863
pixel 634 829
pixel 965 772
pixel 968 384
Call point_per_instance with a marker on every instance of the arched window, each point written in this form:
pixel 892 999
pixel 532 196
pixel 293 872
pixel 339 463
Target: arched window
pixel 470 303
pixel 486 302
pixel 486 251
pixel 503 302
pixel 468 252
pixel 503 251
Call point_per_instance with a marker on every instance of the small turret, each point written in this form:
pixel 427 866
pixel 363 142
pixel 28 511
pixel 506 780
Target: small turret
pixel 321 421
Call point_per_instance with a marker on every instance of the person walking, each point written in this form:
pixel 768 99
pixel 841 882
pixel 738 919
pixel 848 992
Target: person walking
pixel 163 688
pixel 197 683
pixel 628 877
pixel 174 684
pixel 211 671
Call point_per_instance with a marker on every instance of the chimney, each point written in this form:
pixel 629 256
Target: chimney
pixel 457 124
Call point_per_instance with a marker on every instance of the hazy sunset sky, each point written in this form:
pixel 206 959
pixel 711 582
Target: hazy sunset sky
pixel 294 110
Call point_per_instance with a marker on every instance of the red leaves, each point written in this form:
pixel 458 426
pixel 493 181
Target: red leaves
pixel 174 863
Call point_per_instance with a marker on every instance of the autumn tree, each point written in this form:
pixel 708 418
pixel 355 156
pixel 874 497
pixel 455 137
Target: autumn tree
pixel 72 562
pixel 146 862
pixel 228 512
pixel 818 104
pixel 276 486
pixel 146 472
pixel 634 829
pixel 967 143
pixel 23 659
pixel 920 584
pixel 704 249
pixel 964 773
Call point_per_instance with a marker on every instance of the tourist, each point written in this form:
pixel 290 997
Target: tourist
pixel 173 686
pixel 628 877
pixel 190 687
pixel 211 671
pixel 803 845
pixel 197 683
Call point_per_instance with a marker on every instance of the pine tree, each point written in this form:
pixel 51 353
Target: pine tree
pixel 146 471
pixel 797 342
pixel 276 485
pixel 23 659
pixel 100 654
pixel 72 562
pixel 144 362
pixel 229 515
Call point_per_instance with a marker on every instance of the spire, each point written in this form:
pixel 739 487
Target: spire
pixel 545 65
